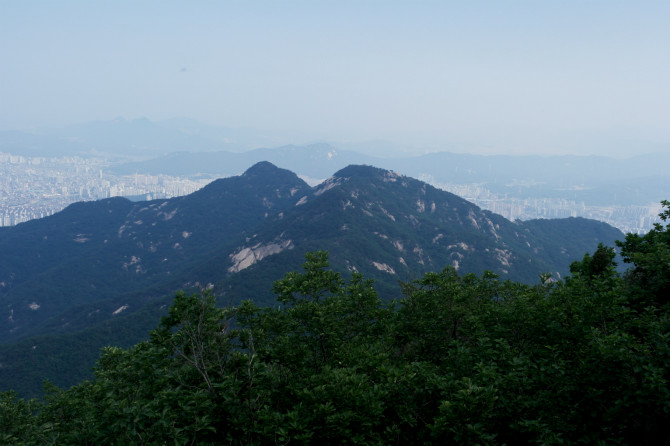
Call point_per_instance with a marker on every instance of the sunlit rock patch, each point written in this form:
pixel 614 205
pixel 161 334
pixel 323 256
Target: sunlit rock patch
pixel 327 185
pixel 383 267
pixel 120 309
pixel 247 256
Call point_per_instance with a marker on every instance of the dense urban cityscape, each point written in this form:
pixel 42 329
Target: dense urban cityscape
pixel 36 187
pixel 637 219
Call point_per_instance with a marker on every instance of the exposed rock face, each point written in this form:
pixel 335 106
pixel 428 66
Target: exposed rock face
pixel 246 257
pixel 383 267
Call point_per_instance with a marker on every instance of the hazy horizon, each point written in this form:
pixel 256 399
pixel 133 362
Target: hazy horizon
pixel 488 77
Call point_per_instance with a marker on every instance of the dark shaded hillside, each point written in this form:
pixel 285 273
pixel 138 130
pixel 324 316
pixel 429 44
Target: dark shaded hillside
pixel 36 245
pixel 583 232
pixel 65 359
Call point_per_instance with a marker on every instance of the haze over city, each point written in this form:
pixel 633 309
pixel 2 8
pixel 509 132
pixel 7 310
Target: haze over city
pixel 480 77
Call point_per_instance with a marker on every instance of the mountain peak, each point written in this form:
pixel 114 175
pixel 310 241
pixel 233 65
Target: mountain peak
pixel 266 173
pixel 361 170
pixel 262 168
pixel 261 176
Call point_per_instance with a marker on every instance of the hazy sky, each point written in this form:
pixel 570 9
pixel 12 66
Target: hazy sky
pixel 487 76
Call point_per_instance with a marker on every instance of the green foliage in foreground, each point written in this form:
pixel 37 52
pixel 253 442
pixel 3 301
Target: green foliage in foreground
pixel 459 360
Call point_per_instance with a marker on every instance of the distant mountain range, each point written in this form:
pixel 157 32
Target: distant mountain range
pixel 183 147
pixel 594 180
pixel 142 138
pixel 103 272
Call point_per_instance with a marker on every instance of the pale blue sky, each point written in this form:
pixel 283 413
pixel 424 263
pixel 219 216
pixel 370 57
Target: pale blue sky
pixel 484 76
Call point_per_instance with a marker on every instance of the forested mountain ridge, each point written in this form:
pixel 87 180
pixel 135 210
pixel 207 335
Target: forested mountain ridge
pixel 110 267
pixel 93 251
pixel 385 225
